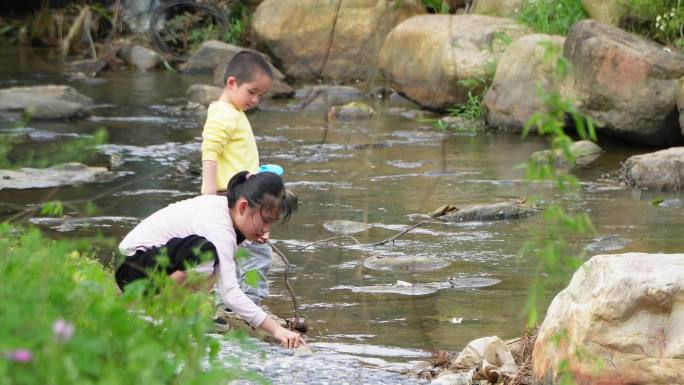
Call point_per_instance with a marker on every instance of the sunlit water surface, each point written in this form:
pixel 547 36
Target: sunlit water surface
pixel 386 172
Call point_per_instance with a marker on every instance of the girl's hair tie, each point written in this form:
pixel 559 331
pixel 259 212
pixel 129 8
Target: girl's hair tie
pixel 248 175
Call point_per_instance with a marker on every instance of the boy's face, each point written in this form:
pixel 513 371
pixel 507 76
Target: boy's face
pixel 248 94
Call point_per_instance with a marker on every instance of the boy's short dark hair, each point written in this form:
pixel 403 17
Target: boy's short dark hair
pixel 245 65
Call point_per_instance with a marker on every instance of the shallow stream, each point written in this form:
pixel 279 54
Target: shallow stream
pixel 386 172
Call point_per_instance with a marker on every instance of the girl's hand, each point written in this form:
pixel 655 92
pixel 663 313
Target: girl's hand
pixel 288 339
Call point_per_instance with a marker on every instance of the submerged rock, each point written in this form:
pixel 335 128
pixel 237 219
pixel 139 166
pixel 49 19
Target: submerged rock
pixel 672 203
pixel 68 174
pixel 416 290
pixel 342 226
pixel 624 313
pixel 607 243
pixel 405 263
pixel 489 212
pixel 318 98
pixel 352 111
pixel 585 152
pixel 45 102
pixel 203 94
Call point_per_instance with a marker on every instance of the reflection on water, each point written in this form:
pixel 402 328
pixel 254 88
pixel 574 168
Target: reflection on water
pixel 384 173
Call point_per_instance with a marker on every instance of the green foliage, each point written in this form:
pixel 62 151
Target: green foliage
pixel 660 20
pixel 552 16
pixel 188 30
pixel 555 263
pixel 63 322
pixel 472 109
pixel 436 6
pixel 52 208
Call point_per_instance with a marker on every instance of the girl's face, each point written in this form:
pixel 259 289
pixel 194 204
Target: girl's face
pixel 253 222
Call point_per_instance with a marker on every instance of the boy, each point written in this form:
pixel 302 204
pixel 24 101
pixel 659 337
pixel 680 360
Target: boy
pixel 228 146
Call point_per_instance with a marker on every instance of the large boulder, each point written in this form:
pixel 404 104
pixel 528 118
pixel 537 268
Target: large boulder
pixel 606 11
pixel 514 95
pixel 427 56
pixel 500 8
pixel 625 82
pixel 45 102
pixel 213 53
pixel 620 321
pixel 680 104
pixel 329 39
pixel 661 170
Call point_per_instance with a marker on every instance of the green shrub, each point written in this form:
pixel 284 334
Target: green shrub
pixel 660 20
pixel 64 322
pixel 554 17
pixel 556 262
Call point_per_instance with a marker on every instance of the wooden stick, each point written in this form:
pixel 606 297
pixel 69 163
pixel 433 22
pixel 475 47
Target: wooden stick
pixel 400 234
pixel 330 239
pixel 287 281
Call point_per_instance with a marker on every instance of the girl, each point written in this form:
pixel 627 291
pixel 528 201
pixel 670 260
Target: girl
pixel 213 225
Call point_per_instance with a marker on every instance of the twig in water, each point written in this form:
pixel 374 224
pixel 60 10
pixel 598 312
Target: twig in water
pixel 287 281
pixel 390 239
pixel 330 239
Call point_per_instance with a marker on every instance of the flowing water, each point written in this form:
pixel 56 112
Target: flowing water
pixel 385 173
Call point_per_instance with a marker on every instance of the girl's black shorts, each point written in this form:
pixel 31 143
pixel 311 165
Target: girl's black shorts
pixel 181 253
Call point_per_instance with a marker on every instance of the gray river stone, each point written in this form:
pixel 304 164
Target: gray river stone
pixel 489 212
pixel 45 102
pixel 585 152
pixel 414 290
pixel 342 226
pixel 660 170
pixel 672 203
pixel 607 243
pixel 68 174
pixel 405 263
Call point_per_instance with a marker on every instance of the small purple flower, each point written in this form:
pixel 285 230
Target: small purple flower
pixel 20 355
pixel 63 330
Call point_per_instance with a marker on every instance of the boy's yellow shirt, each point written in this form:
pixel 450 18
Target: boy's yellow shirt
pixel 228 139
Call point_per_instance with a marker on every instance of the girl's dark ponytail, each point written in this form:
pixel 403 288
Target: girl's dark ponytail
pixel 264 189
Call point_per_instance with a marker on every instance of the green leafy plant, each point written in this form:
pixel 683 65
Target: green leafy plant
pixel 472 110
pixel 660 20
pixel 437 6
pixel 552 16
pixel 64 322
pixel 556 263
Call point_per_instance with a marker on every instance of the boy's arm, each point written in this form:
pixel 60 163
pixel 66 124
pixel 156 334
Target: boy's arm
pixel 209 177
